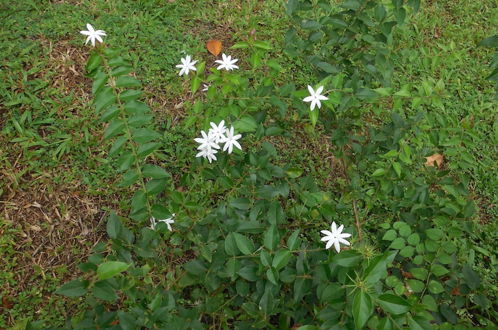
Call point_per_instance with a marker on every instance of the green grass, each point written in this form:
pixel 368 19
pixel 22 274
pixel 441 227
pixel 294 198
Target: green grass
pixel 51 139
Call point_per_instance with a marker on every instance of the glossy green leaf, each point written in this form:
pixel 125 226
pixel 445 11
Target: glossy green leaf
pixel 393 304
pixel 362 308
pixel 111 268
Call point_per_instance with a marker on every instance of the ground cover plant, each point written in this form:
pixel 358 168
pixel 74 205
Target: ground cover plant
pixel 291 164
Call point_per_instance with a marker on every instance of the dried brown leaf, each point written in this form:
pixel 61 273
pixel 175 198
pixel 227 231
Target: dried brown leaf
pixel 214 47
pixel 436 158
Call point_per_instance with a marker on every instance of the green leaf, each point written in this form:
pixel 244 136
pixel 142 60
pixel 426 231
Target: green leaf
pixel 393 304
pixel 390 235
pixel 196 83
pixel 127 81
pixel 430 303
pixel 265 258
pixel 114 226
pixel 148 148
pixel 434 234
pixel 281 259
pixel 118 145
pixel 111 268
pixel 129 178
pixel 103 290
pixel 99 81
pixel 327 67
pixel 397 168
pixel 398 243
pixel 156 186
pixel 245 245
pixel 379 172
pixel 435 287
pixel 144 135
pixel 93 62
pixel 367 94
pixel 351 4
pixel 439 270
pixel 231 245
pixel 121 71
pixel 115 127
pixel 314 116
pixel 130 95
pixel 407 251
pixel 293 240
pixel 271 238
pixel 262 44
pixel 195 267
pixel 471 277
pixel 75 288
pixel 240 203
pixel 490 42
pixel 291 6
pixel 348 258
pixel 104 98
pixel 413 239
pixel 362 308
pixel 109 114
pixel 377 268
pixel 154 172
pixel 272 276
pixel 245 124
pixel 294 172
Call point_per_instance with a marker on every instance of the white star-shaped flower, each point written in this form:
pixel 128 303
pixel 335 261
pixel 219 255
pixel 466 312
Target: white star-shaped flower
pixel 231 140
pixel 315 97
pixel 93 35
pixel 227 63
pixel 217 132
pixel 207 153
pixel 207 141
pixel 167 221
pixel 186 66
pixel 335 237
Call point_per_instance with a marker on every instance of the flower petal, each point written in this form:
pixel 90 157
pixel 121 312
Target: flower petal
pixel 326 232
pixel 329 244
pixel 337 246
pixel 343 241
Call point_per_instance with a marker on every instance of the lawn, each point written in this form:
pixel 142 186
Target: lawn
pixel 58 185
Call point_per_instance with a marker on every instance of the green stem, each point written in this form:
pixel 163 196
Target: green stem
pixel 133 145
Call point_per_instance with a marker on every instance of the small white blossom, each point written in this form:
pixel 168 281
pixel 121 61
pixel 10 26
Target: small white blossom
pixel 206 87
pixel 227 63
pixel 218 131
pixel 207 153
pixel 335 237
pixel 231 140
pixel 207 141
pixel 93 35
pixel 167 221
pixel 186 66
pixel 315 97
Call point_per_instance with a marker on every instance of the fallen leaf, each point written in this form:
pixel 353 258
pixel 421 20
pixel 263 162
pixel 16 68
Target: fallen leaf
pixel 214 47
pixel 437 158
pixel 7 303
pixel 406 274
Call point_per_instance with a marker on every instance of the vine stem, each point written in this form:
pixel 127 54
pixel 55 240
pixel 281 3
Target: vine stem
pixel 357 219
pixel 355 209
pixel 123 116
